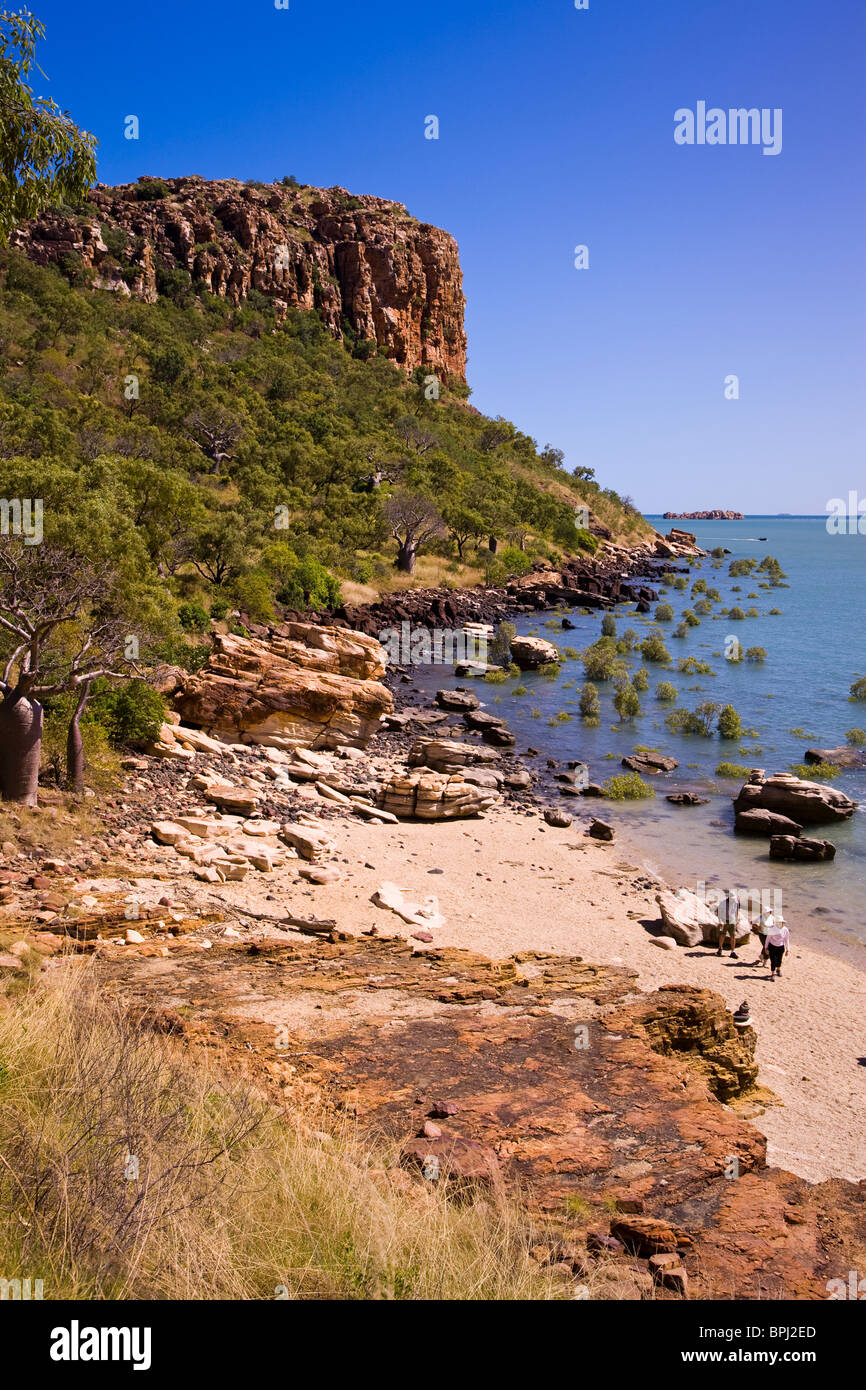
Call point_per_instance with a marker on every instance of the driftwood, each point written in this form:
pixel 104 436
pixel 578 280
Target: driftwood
pixel 307 924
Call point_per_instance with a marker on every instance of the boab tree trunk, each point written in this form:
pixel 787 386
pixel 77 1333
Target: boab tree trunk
pixel 75 744
pixel 20 747
pixel 406 556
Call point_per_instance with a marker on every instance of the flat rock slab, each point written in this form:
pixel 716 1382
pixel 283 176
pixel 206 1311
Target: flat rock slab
pixel 565 1101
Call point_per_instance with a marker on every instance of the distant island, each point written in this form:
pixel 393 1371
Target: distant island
pixel 704 516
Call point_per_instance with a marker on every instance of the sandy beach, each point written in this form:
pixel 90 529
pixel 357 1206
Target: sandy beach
pixel 508 882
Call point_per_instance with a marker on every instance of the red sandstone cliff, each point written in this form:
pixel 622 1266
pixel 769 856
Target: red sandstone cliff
pixel 360 261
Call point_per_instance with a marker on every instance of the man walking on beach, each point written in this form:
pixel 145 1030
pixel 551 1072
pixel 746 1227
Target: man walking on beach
pixel 728 913
pixel 778 945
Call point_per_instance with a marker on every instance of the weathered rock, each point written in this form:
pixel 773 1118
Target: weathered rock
pixel 458 1161
pixel 652 763
pixel 494 730
pixel 303 684
pixel 766 823
pixel 600 830
pixel 449 755
pixel 361 261
pixel 847 756
pixel 434 796
pixel 311 842
pixel 458 700
pixel 686 799
pixel 237 800
pixel 531 652
pixel 691 921
pixel 801 848
pixel 560 819
pixel 807 803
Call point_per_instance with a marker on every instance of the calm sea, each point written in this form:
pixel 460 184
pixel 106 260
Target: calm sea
pixel 798 698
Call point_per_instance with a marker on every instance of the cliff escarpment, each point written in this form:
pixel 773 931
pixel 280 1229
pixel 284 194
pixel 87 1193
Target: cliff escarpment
pixel 362 262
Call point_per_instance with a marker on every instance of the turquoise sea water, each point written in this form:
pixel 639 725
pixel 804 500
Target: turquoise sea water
pixel 815 648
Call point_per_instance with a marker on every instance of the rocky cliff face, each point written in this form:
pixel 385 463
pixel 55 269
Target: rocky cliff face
pixel 360 261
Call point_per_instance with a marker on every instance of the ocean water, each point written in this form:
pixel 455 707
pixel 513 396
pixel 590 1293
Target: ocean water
pixel 797 698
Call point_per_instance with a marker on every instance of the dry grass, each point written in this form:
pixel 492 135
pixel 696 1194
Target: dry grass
pixel 54 827
pixel 231 1200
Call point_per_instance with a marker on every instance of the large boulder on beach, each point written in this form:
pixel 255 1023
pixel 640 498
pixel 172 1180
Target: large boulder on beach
pixel 457 700
pixel 807 803
pixel 302 684
pixel 531 652
pixel 431 796
pixel 448 755
pixel 765 823
pixel 692 922
pixel 801 849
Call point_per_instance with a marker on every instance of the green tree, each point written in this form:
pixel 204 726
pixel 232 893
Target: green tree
pixel 44 158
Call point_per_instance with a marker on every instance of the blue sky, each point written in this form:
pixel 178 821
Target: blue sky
pixel 556 129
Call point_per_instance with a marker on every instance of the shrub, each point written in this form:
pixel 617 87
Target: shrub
pixel 219 608
pixel 652 648
pixel 858 689
pixel 130 713
pixel 550 670
pixel 193 617
pixel 664 613
pixel 626 701
pixel 809 771
pixel 627 786
pixel 608 625
pixel 600 661
pixel 640 679
pixel 730 724
pixel 590 707
pixel 856 737
pixel 736 614
pixel 733 770
pixel 698 721
pixel 252 593
pixel 666 691
pixel 691 619
pixel 757 654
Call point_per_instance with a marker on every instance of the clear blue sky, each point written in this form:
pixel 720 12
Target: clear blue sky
pixel 557 129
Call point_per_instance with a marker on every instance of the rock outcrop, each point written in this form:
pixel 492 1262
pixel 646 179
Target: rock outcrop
pixel 531 652
pixel 846 756
pixel 690 921
pixel 361 261
pixel 806 803
pixel 716 515
pixel 434 796
pixel 304 685
pixel 801 848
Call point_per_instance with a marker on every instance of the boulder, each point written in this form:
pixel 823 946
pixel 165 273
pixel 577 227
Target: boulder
pixel 801 848
pixel 531 652
pixel 433 796
pixel 766 823
pixel 302 684
pixel 491 728
pixel 807 803
pixel 448 755
pixel 843 757
pixel 686 799
pixel 652 763
pixel 560 819
pixel 458 700
pixel 311 842
pixel 600 830
pixel 692 922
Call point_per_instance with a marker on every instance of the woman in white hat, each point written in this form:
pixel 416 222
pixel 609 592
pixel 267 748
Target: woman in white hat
pixel 778 945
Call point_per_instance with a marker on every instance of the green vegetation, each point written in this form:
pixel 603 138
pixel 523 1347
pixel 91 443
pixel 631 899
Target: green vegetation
pixel 666 692
pixel 825 772
pixel 627 786
pixel 756 654
pixel 732 770
pixel 626 701
pixel 730 724
pixel 44 158
pixel 237 1199
pixel 858 689
pixel 664 613
pixel 653 649
pixel 856 737
pixel 590 707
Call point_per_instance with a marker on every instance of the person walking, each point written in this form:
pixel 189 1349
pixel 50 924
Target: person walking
pixel 767 924
pixel 729 913
pixel 778 945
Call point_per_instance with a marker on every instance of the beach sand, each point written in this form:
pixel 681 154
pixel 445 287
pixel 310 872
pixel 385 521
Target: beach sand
pixel 508 882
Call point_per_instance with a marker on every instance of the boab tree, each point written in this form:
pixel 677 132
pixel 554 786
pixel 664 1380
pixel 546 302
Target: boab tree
pixel 63 627
pixel 412 520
